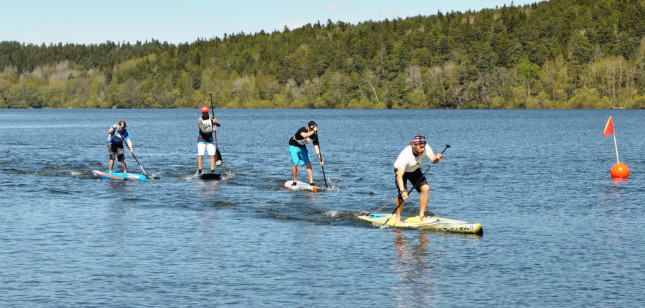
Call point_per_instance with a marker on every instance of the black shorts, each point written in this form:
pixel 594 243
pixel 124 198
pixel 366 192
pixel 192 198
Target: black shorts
pixel 115 150
pixel 414 177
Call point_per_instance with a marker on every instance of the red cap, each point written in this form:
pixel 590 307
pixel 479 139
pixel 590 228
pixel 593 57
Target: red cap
pixel 205 109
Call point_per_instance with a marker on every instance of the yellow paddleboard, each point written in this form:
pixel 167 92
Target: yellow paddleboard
pixel 432 223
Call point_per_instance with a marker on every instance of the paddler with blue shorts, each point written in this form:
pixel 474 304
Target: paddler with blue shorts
pixel 207 125
pixel 298 150
pixel 116 135
pixel 408 168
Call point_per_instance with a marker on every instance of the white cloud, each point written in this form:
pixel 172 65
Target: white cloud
pixel 336 7
pixel 390 13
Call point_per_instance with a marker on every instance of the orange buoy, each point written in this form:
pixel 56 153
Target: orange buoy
pixel 620 171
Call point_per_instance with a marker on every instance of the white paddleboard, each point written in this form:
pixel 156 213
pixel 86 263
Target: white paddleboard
pixel 300 186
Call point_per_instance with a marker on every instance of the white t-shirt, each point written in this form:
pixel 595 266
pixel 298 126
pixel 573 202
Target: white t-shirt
pixel 409 161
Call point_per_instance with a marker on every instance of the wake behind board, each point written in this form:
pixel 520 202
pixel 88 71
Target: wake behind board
pixel 300 186
pixel 118 175
pixel 433 224
pixel 210 176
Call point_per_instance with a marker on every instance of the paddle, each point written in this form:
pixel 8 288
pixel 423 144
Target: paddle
pixel 320 157
pixel 135 158
pixel 415 184
pixel 218 156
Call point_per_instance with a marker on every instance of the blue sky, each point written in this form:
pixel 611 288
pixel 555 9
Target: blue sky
pixel 180 21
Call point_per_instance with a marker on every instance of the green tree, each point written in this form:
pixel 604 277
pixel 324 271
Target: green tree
pixel 527 74
pixel 549 54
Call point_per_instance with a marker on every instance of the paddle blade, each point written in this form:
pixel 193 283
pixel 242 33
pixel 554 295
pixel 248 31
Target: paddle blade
pixel 218 158
pixel 144 173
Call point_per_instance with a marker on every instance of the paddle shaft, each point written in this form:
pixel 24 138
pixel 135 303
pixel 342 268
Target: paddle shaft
pixel 135 158
pixel 321 159
pixel 218 156
pixel 413 186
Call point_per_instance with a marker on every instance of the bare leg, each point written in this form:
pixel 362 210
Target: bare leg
pixel 423 200
pixel 294 171
pixel 310 173
pixel 111 164
pixel 123 165
pixel 398 211
pixel 212 162
pixel 200 161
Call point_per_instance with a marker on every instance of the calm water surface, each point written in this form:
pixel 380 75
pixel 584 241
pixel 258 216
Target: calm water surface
pixel 558 231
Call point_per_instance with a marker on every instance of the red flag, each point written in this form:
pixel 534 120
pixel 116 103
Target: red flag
pixel 609 127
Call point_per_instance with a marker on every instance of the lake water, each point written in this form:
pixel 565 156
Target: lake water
pixel 558 231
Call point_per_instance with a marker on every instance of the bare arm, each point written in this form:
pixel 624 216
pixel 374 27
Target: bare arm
pixel 434 158
pixel 317 148
pixel 400 184
pixel 309 133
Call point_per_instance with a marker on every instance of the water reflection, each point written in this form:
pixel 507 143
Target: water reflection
pixel 414 265
pixel 206 188
pixel 619 181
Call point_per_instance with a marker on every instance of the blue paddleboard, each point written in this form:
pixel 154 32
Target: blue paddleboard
pixel 118 175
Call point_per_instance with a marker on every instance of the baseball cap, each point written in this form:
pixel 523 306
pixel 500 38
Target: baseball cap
pixel 312 124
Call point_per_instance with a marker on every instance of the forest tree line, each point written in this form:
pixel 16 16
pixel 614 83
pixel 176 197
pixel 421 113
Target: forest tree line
pixel 554 54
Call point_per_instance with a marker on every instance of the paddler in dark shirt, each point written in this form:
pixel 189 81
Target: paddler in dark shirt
pixel 207 125
pixel 298 150
pixel 117 135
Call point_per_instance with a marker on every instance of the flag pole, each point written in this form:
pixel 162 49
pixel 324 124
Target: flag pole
pixel 616 146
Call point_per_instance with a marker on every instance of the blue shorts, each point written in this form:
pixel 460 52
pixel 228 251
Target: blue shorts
pixel 299 155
